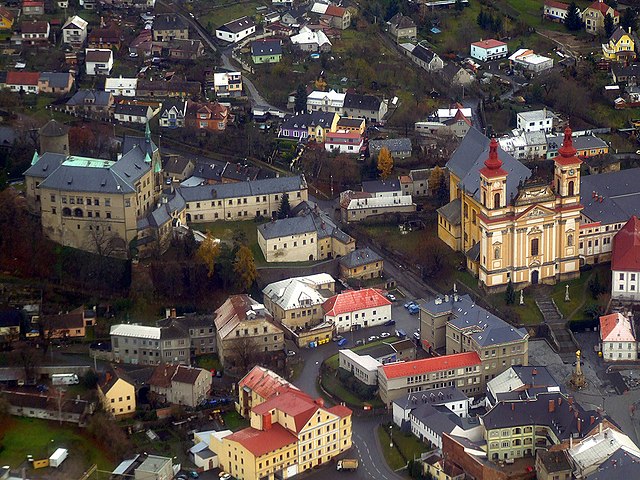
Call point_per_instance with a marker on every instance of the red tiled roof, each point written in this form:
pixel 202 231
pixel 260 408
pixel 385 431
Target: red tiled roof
pixel 260 442
pixel 349 134
pixel 34 27
pixel 294 403
pixel 265 383
pixel 616 328
pixel 33 4
pixel 353 300
pixel 341 411
pixel 335 11
pixel 489 43
pixel 567 151
pixel 22 78
pixel 6 13
pixel 626 247
pixel 552 3
pixel 161 376
pixel 602 8
pixel 434 364
pixel 460 116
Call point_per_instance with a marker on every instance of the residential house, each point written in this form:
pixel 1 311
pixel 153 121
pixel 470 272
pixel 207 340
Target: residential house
pixel 457 125
pixel 168 27
pixel 441 469
pixel 354 309
pixel 98 61
pixel 177 49
pixel 244 325
pixel 627 74
pixel 608 201
pixel 556 11
pixel 356 206
pixel 344 142
pixel 462 370
pixel 259 385
pixel 402 27
pixel 199 327
pixel 621 46
pixel 450 398
pixel 236 30
pixel 469 327
pixel 34 33
pixel 227 84
pixel 314 126
pixel 90 103
pixel 10 323
pixel 266 51
pixel 330 101
pixel 530 61
pixel 587 146
pixel 55 82
pixel 309 234
pixel 429 423
pixel 241 200
pixel 416 183
pixel 521 382
pixel 295 17
pixel 296 302
pixel 74 31
pixel 593 16
pixel 32 7
pixel 618 341
pixel 535 121
pixel 527 145
pixel 398 147
pixel 180 385
pixel 369 107
pixel 6 19
pixel 489 50
pixel 143 345
pixel 117 393
pixel 173 113
pixel 45 407
pixel 307 40
pixel 291 433
pixel 426 58
pixel 338 17
pixel 351 125
pixel 121 87
pixel 141 45
pixel 133 113
pixel 553 464
pixel 456 75
pixel 108 36
pixel 177 87
pixel 64 326
pixel 362 263
pixel 26 82
pixel 210 116
pixel 625 262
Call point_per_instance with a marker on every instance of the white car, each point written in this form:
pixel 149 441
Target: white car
pixel 385 335
pixel 391 297
pixel 373 338
pixel 224 476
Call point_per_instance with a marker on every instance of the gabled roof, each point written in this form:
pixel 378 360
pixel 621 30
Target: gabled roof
pixel 238 25
pixel 23 78
pixel 354 300
pixel 626 247
pixel 362 102
pixel 168 22
pixel 621 32
pixel 260 442
pixel 335 11
pixel 96 97
pixel 99 55
pixel 423 53
pixel 433 364
pixel 6 13
pixel 554 4
pixel 489 43
pixel 56 79
pixel 265 383
pixel 188 375
pixel 75 22
pixel 238 309
pixel 623 463
pixel 616 328
pixel 294 403
pixel 39 26
pixel 299 291
pixel 129 109
pixel 602 7
pixel 64 321
pixel 359 257
pixel 266 47
pixel 265 186
pixel 612 197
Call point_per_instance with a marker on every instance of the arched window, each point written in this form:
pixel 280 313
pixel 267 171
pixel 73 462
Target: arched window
pixel 534 246
pixel 496 253
pixel 570 240
pixel 77 212
pixel 484 199
pixel 571 188
pixel 496 200
pixel 66 212
pixel 558 186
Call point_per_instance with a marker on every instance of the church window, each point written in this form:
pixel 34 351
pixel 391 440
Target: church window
pixel 496 200
pixel 571 187
pixel 534 246
pixel 570 240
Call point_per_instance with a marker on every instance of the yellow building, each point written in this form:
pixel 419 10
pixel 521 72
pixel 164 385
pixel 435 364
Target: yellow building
pixel 6 19
pixel 621 46
pixel 117 394
pixel 511 227
pixel 257 386
pixel 593 16
pixel 290 433
pixel 362 263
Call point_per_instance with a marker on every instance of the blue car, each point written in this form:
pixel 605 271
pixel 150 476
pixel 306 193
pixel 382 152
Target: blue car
pixel 342 342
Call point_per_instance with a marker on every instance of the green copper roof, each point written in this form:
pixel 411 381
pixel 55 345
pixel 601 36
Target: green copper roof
pixel 147 158
pixel 35 157
pixel 158 167
pixel 74 161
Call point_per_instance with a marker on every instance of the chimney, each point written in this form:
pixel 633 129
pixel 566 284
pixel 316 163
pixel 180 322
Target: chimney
pixel 552 406
pixel 319 401
pixel 592 419
pixel 173 313
pixel 570 441
pixel 579 425
pixel 108 377
pixel 570 400
pixel 167 312
pixel 513 406
pixel 266 421
pixel 559 401
pixel 600 428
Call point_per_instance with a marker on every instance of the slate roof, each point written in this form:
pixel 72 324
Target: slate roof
pixel 452 211
pixel 56 79
pixel 168 22
pixel 128 109
pixel 361 102
pixel 622 464
pixel 620 192
pixel 423 53
pixel 359 257
pixel 554 461
pixel 395 145
pixel 469 157
pixel 10 317
pixel 626 247
pixel 243 189
pixel 97 97
pixel 482 326
pixel 238 25
pixel 522 383
pixel 350 122
pixel 64 321
pixel 45 164
pixel 436 396
pixel 129 142
pixel 266 47
pixel 580 142
pixel 176 164
pixel 380 186
pixel 440 419
pixel 400 21
pixel 303 120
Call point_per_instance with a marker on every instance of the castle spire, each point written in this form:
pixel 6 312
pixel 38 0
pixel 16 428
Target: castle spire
pixel 493 162
pixel 567 150
pixel 147 133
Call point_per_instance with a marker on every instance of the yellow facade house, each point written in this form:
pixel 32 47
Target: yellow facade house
pixel 6 19
pixel 117 393
pixel 512 227
pixel 362 263
pixel 621 46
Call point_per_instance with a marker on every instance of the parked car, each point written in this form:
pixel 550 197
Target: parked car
pixel 290 353
pixel 360 342
pixel 389 323
pixel 342 342
pixel 385 335
pixel 337 338
pixel 401 333
pixel 416 335
pixel 193 474
pixel 391 297
pixel 224 476
pixel 413 309
pixel 373 338
pixel 408 304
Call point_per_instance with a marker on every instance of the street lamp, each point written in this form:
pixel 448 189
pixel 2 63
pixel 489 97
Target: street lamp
pixel 390 436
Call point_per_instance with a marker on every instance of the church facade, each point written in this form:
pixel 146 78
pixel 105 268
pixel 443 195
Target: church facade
pixel 511 226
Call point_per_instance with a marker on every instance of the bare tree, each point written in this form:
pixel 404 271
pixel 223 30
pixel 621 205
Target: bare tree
pixel 27 358
pixel 244 352
pixel 104 242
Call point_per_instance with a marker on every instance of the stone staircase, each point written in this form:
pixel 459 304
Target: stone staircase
pixel 560 334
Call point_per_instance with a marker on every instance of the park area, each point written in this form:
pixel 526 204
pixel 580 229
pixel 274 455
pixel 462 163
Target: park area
pixel 398 447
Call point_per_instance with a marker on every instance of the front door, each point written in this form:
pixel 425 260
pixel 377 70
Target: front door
pixel 534 277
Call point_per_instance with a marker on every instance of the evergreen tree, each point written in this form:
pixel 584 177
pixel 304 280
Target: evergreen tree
pixel 480 19
pixel 510 294
pixel 459 5
pixel 496 23
pixel 608 25
pixel 301 99
pixel 573 21
pixel 628 19
pixel 285 207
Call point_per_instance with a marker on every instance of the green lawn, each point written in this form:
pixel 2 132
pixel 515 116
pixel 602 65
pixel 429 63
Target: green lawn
pixel 409 445
pixel 233 420
pixel 226 230
pixel 28 436
pixel 224 12
pixel 579 294
pixel 209 362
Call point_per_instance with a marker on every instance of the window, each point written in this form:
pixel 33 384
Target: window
pixel 571 188
pixel 534 246
pixel 496 200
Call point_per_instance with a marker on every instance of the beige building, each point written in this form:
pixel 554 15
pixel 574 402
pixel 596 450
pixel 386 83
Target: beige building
pixel 180 384
pixel 593 16
pixel 245 328
pixel 308 234
pixel 510 227
pixel 117 393
pixel 169 27
pixel 257 386
pixel 362 263
pixel 462 370
pixel 242 200
pixel 145 345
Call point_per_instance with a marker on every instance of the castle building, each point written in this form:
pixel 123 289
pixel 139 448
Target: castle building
pixel 512 227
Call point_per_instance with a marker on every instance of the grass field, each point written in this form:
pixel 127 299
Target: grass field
pixel 233 420
pixel 224 12
pixel 579 294
pixel 405 446
pixel 28 436
pixel 209 362
pixel 226 230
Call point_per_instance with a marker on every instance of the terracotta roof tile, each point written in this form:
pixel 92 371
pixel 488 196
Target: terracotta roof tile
pixel 260 442
pixel 353 300
pixel 434 364
pixel 626 247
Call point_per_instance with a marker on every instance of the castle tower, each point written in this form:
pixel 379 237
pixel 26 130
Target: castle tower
pixel 54 138
pixel 493 181
pixel 566 179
